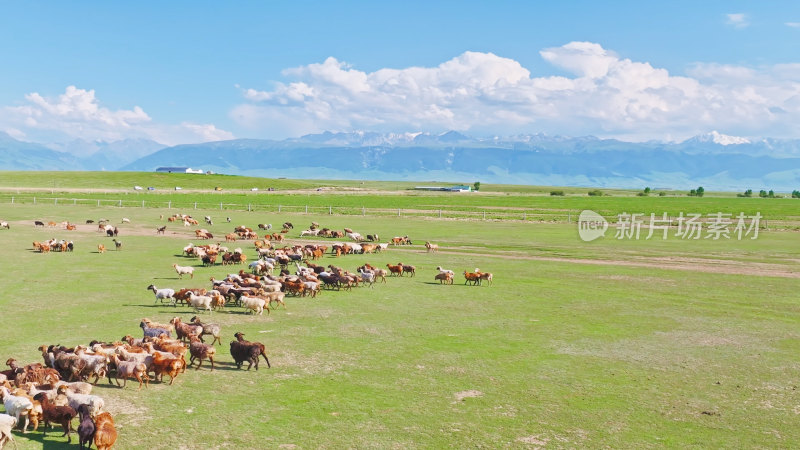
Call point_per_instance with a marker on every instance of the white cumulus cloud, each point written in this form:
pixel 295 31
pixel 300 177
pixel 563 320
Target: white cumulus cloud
pixel 737 20
pixel 605 95
pixel 79 114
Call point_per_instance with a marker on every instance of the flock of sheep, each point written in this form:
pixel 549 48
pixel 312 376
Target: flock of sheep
pixel 35 392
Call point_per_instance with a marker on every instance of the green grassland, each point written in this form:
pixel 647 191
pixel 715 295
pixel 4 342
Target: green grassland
pixel 349 197
pixel 612 343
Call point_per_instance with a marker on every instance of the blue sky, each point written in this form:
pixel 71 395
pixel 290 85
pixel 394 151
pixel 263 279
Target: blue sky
pixel 194 71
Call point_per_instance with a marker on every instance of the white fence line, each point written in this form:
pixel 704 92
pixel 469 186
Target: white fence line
pixel 519 214
pixel 508 214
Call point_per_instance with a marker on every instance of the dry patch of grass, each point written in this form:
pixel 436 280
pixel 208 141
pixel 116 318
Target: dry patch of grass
pixel 461 396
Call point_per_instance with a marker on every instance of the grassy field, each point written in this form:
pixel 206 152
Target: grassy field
pixel 612 343
pixel 383 198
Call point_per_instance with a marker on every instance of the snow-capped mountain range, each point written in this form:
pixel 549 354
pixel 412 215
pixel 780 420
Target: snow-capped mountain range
pixel 713 160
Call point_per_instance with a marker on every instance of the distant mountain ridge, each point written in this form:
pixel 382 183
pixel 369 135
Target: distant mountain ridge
pixel 75 155
pixel 713 160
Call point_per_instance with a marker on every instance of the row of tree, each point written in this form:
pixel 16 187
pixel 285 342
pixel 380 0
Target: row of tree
pixel 699 192
pixel 766 194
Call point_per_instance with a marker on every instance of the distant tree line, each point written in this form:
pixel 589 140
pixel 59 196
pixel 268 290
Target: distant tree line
pixel 699 192
pixel 767 194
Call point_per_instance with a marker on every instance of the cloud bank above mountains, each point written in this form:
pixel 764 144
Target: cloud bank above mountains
pixel 599 93
pixel 78 114
pixel 592 91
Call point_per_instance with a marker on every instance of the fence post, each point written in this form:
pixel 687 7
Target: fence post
pixel 484 215
pixel 569 218
pixel 248 207
pixel 220 206
pixel 279 208
pixel 398 212
pixel 195 205
pixel 363 211
pixel 98 202
pixel 440 213
pixel 330 210
pixel 120 203
pixel 142 203
pixel 34 200
pixel 12 200
pixel 169 204
pixel 74 201
pixel 524 216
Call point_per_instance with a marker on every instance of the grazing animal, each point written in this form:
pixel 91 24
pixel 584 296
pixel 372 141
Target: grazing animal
pixel 410 269
pixel 367 277
pixel 95 403
pixel 95 365
pixel 20 407
pixel 152 331
pixel 381 273
pixel 163 294
pixel 485 276
pixel 38 223
pixel 255 304
pixel 395 270
pixel 183 295
pixel 127 369
pixel 431 247
pixel 61 415
pixel 117 244
pixel 184 331
pixel 199 302
pixel 228 219
pixel 211 329
pixel 209 260
pixel 86 428
pixel 161 230
pixel 125 220
pixel 101 248
pixel 68 364
pixel 7 423
pixel 200 351
pixel 242 351
pixel 183 270
pixel 440 269
pixel 152 324
pixel 275 297
pixel 444 278
pixel 473 278
pixel 4 224
pixel 105 434
pixel 165 364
